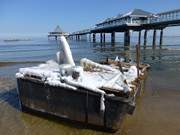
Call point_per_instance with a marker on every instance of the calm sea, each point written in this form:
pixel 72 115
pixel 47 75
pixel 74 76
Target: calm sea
pixel 157 112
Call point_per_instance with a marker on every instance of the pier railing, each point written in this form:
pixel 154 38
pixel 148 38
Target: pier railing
pixel 166 16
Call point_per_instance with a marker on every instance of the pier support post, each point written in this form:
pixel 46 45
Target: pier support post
pixel 145 38
pixel 94 37
pixel 161 38
pixel 113 38
pixel 126 39
pixel 85 37
pixel 90 37
pixel 154 39
pixel 101 37
pixel 104 37
pixel 55 37
pixel 78 37
pixel 139 38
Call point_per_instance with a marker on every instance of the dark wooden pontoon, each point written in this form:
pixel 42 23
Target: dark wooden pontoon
pixel 79 105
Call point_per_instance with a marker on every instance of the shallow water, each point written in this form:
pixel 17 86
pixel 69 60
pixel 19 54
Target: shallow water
pixel 157 111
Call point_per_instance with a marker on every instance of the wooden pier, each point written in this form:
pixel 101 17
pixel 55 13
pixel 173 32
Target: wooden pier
pixel 137 20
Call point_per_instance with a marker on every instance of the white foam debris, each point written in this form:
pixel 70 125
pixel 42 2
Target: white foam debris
pixel 131 75
pixel 117 58
pixel 62 75
pixel 66 74
pixel 121 60
pixel 66 51
pixel 19 75
pixel 102 104
pixel 58 57
pixel 54 82
pixel 112 81
pixel 86 63
pixel 51 71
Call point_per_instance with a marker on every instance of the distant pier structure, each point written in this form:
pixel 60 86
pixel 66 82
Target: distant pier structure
pixel 57 33
pixel 137 20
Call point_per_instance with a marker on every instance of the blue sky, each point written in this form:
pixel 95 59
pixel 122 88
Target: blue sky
pixel 35 17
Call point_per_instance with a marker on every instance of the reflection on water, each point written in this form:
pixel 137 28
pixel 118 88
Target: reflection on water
pixel 157 111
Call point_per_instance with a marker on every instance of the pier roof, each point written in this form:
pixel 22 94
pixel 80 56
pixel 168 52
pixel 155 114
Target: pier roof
pixel 138 12
pixel 58 29
pixel 133 13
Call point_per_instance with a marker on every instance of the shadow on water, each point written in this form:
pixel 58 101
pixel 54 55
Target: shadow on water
pixel 10 97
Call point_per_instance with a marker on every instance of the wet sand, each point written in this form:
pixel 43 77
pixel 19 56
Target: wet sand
pixel 158 110
pixel 3 64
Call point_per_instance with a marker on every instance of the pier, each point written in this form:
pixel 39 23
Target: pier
pixel 137 20
pixel 57 33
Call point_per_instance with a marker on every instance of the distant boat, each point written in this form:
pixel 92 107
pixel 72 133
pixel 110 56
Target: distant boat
pixel 16 40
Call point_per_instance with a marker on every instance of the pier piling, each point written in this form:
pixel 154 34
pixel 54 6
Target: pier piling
pixel 94 37
pixel 126 39
pixel 145 38
pixel 101 37
pixel 139 38
pixel 113 38
pixel 154 39
pixel 104 37
pixel 78 37
pixel 90 37
pixel 161 38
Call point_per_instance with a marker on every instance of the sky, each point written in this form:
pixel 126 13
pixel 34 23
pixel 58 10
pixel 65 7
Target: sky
pixel 36 17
